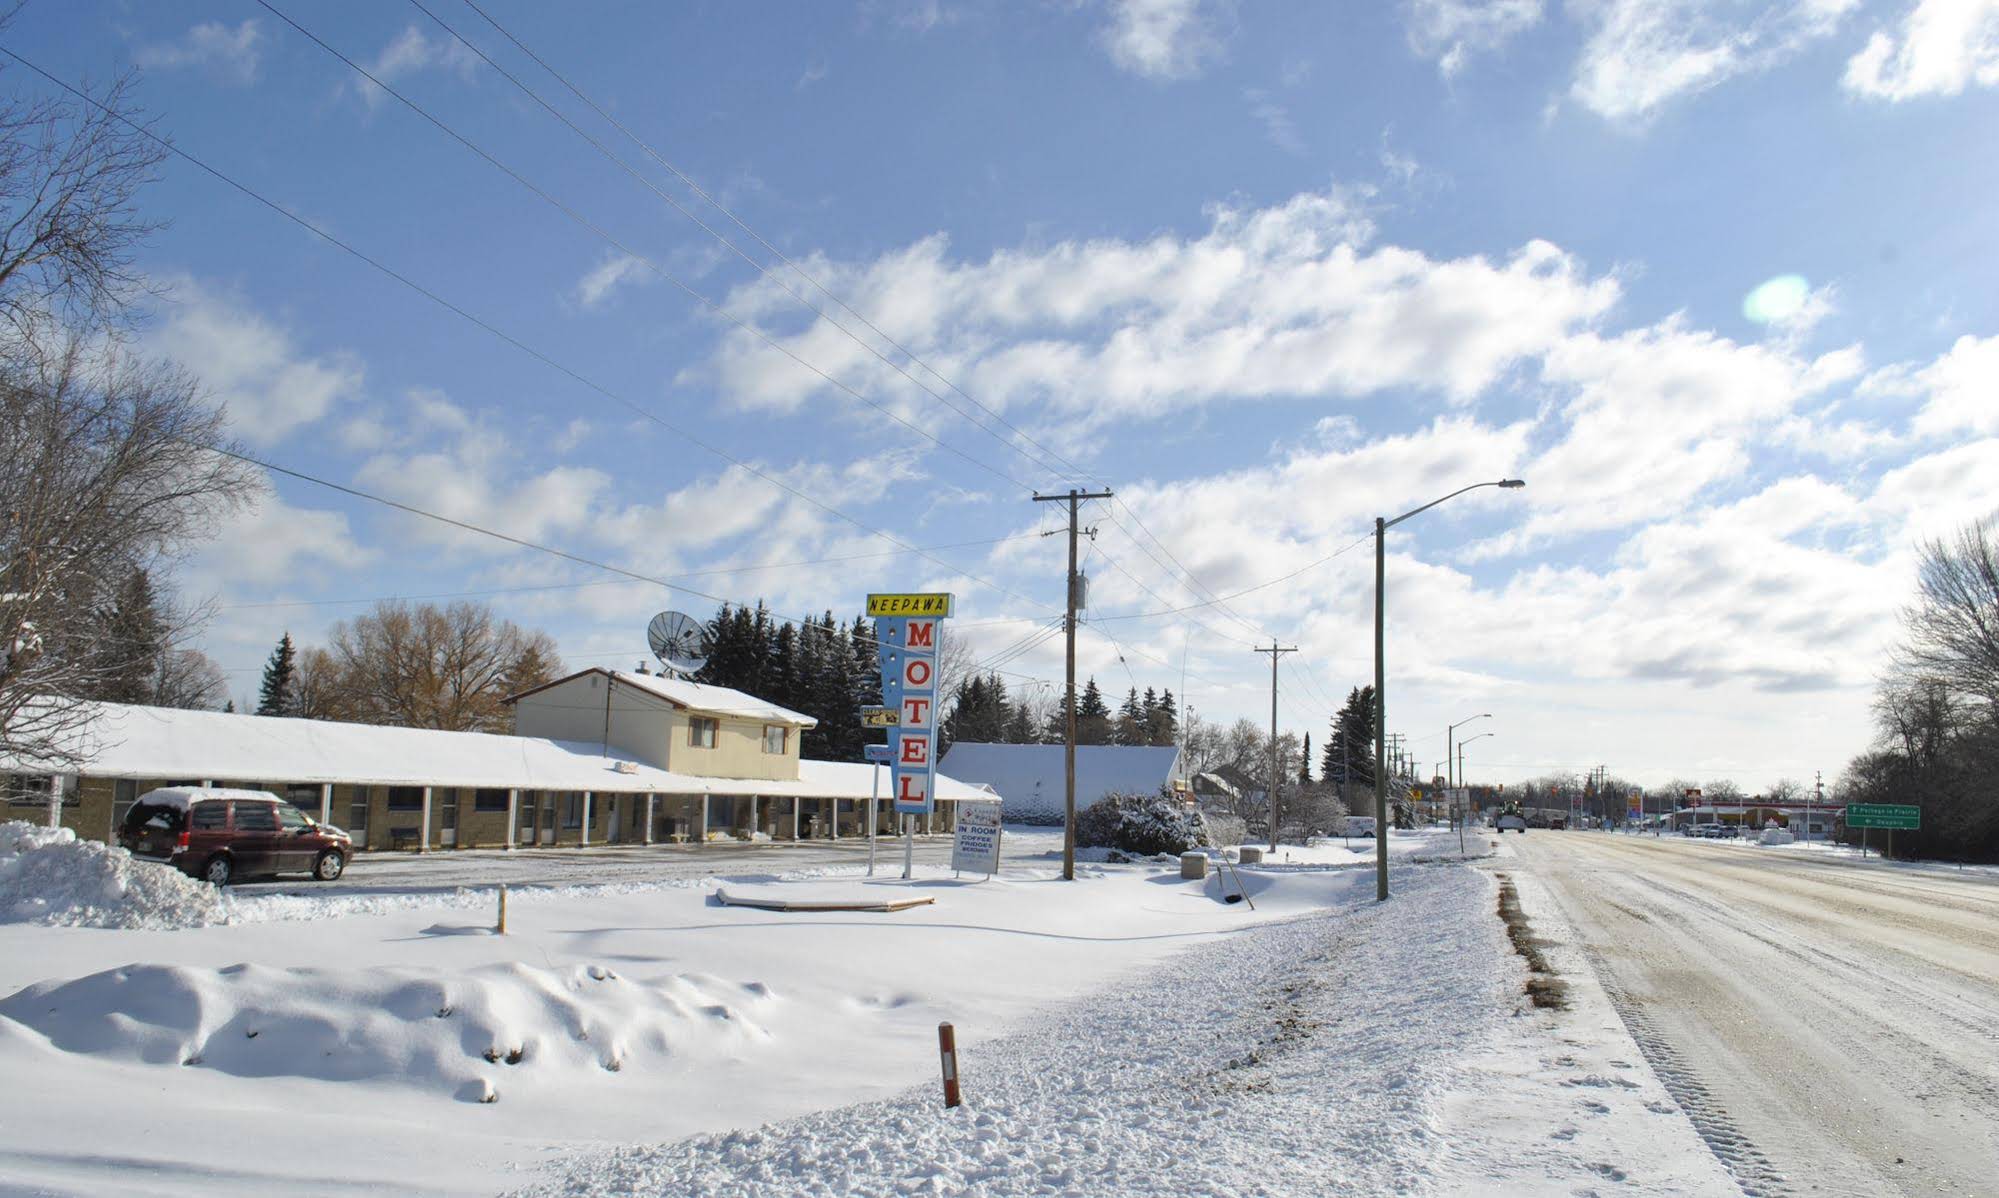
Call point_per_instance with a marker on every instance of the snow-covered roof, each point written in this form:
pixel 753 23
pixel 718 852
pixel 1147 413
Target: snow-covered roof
pixel 184 797
pixel 157 743
pixel 720 700
pixel 1029 778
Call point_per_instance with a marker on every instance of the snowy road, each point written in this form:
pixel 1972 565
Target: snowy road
pixel 1829 1025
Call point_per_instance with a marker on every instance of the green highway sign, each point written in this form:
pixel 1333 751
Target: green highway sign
pixel 1884 815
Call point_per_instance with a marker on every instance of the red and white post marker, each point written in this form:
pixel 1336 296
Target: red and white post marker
pixel 947 1048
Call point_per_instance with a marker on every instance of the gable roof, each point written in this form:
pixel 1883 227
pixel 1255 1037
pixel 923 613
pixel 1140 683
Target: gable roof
pixel 692 696
pixel 1030 777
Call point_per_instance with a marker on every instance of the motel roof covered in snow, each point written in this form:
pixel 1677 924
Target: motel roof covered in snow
pixel 159 743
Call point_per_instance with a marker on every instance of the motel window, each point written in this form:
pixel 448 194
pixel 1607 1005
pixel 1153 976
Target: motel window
pixel 305 797
pixel 774 735
pixel 701 732
pixel 488 799
pixel 33 790
pixel 572 811
pixel 406 798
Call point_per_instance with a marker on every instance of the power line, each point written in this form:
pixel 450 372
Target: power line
pixel 696 188
pixel 611 239
pixel 521 542
pixel 762 269
pixel 575 586
pixel 502 335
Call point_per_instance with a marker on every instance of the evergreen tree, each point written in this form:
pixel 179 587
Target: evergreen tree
pixel 1129 728
pixel 1020 729
pixel 1093 718
pixel 275 697
pixel 135 635
pixel 1165 722
pixel 1305 762
pixel 1349 757
pixel 229 708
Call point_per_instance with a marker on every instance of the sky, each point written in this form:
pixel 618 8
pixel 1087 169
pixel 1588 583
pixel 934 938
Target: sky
pixel 808 300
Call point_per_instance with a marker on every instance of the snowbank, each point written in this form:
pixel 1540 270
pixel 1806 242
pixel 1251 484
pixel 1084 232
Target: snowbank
pixel 49 876
pixel 469 1034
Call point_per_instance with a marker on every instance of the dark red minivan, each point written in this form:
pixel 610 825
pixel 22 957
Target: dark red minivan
pixel 218 834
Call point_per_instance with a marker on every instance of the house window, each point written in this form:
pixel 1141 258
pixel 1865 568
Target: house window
pixel 487 799
pixel 774 735
pixel 406 798
pixel 701 732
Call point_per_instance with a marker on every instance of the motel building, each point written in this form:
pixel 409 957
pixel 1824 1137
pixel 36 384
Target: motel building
pixel 599 757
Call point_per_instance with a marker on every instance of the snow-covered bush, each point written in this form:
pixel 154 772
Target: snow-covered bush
pixel 1224 828
pixel 1141 825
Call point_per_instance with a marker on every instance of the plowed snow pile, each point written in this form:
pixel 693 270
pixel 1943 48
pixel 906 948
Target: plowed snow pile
pixel 49 876
pixel 473 1035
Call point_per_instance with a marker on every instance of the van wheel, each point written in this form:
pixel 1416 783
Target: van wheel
pixel 329 865
pixel 218 870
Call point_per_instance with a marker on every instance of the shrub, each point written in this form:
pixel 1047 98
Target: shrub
pixel 1141 824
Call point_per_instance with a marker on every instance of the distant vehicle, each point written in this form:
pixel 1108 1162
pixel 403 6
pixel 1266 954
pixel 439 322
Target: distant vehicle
pixel 219 835
pixel 1510 818
pixel 1357 825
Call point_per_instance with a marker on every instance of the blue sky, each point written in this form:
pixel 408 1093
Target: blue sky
pixel 1267 270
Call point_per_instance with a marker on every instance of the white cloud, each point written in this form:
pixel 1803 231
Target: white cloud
pixel 250 365
pixel 613 270
pixel 1164 39
pixel 1280 302
pixel 1276 120
pixel 231 55
pixel 411 52
pixel 1450 31
pixel 1960 390
pixel 1642 54
pixel 1941 48
pixel 266 544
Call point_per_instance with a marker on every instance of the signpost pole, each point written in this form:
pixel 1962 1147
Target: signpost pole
pixel 874 801
pixel 908 849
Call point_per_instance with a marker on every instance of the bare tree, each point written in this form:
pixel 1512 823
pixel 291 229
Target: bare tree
pixel 106 468
pixel 69 176
pixel 424 666
pixel 1953 629
pixel 188 678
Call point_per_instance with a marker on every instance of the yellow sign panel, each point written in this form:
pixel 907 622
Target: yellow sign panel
pixel 880 717
pixel 909 605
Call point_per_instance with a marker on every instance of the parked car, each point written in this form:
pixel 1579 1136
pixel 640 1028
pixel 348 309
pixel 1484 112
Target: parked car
pixel 219 835
pixel 1357 825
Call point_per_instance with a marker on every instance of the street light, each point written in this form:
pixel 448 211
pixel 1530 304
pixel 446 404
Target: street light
pixel 1461 753
pixel 1449 729
pixel 1381 528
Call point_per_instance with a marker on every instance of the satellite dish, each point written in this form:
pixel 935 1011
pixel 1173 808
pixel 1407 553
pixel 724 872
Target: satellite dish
pixel 679 641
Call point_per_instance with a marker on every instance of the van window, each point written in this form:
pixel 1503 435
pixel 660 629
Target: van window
pixel 209 817
pixel 291 817
pixel 256 817
pixel 154 815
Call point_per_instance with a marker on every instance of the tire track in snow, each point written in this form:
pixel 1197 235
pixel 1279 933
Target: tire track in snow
pixel 1753 1171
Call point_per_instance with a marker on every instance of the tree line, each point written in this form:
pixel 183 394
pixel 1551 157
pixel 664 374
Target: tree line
pixel 1936 707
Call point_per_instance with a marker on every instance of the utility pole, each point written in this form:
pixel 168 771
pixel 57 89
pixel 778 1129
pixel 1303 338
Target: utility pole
pixel 1069 697
pixel 1818 794
pixel 1276 776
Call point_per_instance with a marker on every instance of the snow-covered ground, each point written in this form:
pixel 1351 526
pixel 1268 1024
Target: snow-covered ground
pixel 1127 1033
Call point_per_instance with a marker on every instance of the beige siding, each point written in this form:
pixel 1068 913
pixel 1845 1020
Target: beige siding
pixel 738 751
pixel 575 711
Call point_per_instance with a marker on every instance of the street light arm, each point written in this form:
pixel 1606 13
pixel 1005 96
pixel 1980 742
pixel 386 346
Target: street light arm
pixel 1504 482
